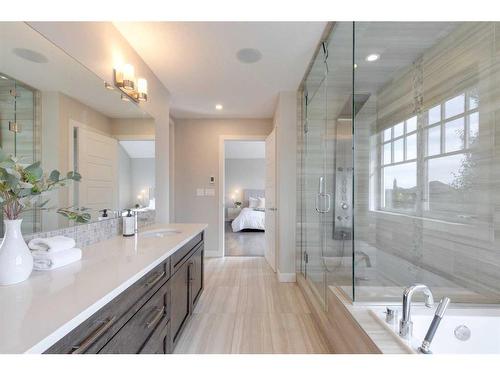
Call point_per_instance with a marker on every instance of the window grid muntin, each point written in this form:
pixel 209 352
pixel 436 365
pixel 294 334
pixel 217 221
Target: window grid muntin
pixel 422 141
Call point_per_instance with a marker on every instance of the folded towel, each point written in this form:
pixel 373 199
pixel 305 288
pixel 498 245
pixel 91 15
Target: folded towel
pixel 46 261
pixel 52 244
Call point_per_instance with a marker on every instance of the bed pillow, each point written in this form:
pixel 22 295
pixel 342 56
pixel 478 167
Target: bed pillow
pixel 253 202
pixel 262 204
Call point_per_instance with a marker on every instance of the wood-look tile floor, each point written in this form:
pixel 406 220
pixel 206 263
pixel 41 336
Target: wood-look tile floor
pixel 243 243
pixel 244 309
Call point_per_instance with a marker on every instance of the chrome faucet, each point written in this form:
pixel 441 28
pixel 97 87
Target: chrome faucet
pixel 405 324
pixel 362 256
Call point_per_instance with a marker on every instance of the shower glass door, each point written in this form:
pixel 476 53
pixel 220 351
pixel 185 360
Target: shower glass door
pixel 327 166
pixel 315 199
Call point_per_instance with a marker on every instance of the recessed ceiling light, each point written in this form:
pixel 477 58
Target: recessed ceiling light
pixel 30 55
pixel 2 77
pixel 249 55
pixel 372 57
pixel 218 107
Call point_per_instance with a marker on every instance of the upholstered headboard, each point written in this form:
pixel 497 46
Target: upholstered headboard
pixel 256 193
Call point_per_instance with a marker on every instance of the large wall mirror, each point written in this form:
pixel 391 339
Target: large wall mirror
pixel 54 110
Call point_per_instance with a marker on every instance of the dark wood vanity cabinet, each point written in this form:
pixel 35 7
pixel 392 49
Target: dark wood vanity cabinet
pixel 148 317
pixel 186 286
pixel 196 275
pixel 180 301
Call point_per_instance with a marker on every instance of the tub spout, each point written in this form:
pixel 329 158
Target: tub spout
pixel 405 324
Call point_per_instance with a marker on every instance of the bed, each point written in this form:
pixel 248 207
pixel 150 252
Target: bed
pixel 250 218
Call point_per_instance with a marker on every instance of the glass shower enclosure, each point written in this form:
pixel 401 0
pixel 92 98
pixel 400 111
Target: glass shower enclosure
pixel 399 168
pixel 19 105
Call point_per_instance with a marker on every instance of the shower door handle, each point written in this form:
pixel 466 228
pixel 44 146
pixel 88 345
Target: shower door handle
pixel 327 198
pixel 322 196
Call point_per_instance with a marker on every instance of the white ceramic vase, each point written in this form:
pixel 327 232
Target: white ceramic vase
pixel 16 262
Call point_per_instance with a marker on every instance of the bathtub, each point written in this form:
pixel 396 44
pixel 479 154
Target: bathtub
pixel 462 330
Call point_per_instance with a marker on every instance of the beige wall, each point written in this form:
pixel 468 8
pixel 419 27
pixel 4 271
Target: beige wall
pixel 133 128
pixel 285 120
pixel 71 109
pixel 196 159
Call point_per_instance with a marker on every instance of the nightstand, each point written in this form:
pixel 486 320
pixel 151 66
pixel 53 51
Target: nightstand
pixel 232 213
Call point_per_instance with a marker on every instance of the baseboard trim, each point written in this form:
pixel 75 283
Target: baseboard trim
pixel 287 277
pixel 212 254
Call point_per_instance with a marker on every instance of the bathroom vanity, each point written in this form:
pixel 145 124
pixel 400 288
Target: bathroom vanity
pixel 128 295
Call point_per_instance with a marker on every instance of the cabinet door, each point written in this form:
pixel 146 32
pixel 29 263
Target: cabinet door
pixel 180 298
pixel 145 327
pixel 196 275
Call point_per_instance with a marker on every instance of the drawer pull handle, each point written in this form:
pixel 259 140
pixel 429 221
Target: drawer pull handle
pixel 92 338
pixel 156 318
pixel 154 280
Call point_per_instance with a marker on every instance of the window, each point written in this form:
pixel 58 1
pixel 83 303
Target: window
pixel 446 134
pixel 399 167
pixel 449 162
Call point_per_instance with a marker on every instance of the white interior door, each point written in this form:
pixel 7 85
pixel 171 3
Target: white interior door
pixel 97 163
pixel 271 213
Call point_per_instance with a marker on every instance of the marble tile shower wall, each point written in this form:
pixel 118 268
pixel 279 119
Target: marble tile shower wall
pixel 462 244
pixel 88 234
pixel 461 248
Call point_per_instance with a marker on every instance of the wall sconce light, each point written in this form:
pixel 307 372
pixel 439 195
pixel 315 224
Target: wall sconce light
pixel 125 80
pixel 142 90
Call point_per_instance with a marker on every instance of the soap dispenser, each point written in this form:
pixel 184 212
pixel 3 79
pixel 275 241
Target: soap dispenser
pixel 128 224
pixel 104 214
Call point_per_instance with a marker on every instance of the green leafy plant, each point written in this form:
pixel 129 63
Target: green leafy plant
pixel 22 186
pixel 78 215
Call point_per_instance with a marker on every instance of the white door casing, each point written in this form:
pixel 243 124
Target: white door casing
pixel 271 202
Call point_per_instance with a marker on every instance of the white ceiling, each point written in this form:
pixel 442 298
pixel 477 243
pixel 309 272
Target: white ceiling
pixel 245 149
pixel 139 149
pixel 197 63
pixel 60 73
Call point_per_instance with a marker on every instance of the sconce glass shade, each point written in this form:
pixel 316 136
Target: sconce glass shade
pixel 142 86
pixel 128 77
pixel 142 89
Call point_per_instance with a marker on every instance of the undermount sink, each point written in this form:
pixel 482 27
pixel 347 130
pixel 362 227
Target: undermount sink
pixel 160 233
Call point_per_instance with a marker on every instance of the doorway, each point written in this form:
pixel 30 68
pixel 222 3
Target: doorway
pixel 244 197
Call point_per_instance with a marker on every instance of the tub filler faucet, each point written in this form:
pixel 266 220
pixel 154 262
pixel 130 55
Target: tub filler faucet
pixel 405 324
pixel 438 315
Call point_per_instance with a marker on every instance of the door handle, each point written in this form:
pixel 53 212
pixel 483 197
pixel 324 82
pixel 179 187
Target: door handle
pixel 323 196
pixel 327 199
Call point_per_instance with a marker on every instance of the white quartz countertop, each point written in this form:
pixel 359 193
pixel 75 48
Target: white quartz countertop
pixel 38 312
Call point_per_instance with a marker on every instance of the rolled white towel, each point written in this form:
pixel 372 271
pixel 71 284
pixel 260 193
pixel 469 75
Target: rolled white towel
pixel 52 244
pixel 46 261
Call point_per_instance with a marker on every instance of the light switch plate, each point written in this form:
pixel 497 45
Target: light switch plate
pixel 210 192
pixel 200 192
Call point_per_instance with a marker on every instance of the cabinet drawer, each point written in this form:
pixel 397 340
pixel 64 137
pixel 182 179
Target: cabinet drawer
pixel 145 328
pixel 181 255
pixel 92 334
pixel 159 341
